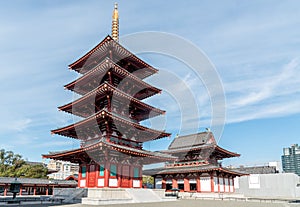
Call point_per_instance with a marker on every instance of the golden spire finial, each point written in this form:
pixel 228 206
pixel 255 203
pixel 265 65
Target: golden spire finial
pixel 115 24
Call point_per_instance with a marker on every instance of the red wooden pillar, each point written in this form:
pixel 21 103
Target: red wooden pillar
pixel 218 184
pixel 79 176
pixel 198 184
pixel 163 183
pixel 106 174
pixel 20 193
pixel 119 175
pixel 97 171
pixel 233 188
pixel 141 176
pixel 212 186
pixel 5 190
pixel 174 183
pixel 186 185
pixel 131 169
pixel 87 176
pixel 47 190
pixel 34 190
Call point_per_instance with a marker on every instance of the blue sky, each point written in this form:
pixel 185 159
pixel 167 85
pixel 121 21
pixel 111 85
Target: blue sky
pixel 254 46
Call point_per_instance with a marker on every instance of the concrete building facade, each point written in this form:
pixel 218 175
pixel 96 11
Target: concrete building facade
pixel 291 159
pixel 63 169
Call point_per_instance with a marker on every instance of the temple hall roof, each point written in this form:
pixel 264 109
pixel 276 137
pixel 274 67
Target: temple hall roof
pixel 257 169
pixel 191 140
pixel 200 168
pixel 38 181
pixel 199 141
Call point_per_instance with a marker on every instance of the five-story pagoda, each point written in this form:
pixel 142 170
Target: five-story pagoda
pixel 112 89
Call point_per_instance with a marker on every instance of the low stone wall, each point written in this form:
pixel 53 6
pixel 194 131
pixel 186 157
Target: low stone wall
pixel 187 195
pixel 108 193
pixel 159 192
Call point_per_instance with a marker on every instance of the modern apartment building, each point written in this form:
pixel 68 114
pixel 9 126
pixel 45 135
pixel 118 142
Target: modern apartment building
pixel 291 159
pixel 62 169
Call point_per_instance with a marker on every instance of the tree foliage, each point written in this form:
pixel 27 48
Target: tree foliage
pixel 148 180
pixel 12 165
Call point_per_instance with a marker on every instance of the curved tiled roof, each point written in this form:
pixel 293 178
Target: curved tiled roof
pixel 191 140
pixel 70 130
pixel 37 181
pixel 201 168
pixel 101 69
pixel 199 141
pixel 117 147
pixel 78 106
pixel 106 43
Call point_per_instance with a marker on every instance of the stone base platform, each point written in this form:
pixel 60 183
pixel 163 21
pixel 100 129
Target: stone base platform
pixel 104 196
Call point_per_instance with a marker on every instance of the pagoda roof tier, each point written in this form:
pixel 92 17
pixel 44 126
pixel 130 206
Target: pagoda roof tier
pixel 86 105
pixel 215 150
pixel 104 121
pixel 197 142
pixel 96 151
pixel 206 168
pixel 93 78
pixel 124 56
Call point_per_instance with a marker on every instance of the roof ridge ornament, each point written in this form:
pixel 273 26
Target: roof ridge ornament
pixel 115 24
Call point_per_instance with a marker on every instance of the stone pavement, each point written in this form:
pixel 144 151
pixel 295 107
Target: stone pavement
pixel 196 203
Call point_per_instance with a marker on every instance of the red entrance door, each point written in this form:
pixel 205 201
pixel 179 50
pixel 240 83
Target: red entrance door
pixel 92 176
pixel 125 179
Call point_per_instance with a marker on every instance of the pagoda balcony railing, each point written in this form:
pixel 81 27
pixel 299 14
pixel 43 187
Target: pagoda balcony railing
pixel 122 115
pixel 89 142
pixel 186 163
pixel 125 142
pixel 113 139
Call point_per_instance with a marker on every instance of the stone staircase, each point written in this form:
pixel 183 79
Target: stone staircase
pixel 70 195
pixel 143 195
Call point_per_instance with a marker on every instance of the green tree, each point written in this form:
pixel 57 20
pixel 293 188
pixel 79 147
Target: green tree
pixel 148 180
pixel 33 171
pixel 12 165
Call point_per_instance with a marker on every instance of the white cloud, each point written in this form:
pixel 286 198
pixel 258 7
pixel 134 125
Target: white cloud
pixel 15 125
pixel 257 90
pixel 21 125
pixel 264 97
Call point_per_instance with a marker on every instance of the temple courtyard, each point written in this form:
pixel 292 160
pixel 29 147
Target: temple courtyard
pixel 196 203
pixel 184 203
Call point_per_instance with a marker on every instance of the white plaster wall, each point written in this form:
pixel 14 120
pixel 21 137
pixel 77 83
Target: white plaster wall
pixel 101 182
pixel 221 184
pixel 113 182
pixel 205 184
pixel 231 185
pixel 82 183
pixel 226 185
pixel 136 183
pixel 215 184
